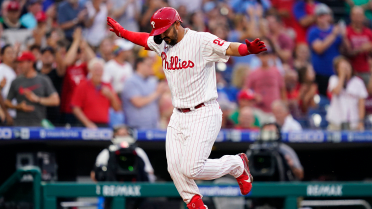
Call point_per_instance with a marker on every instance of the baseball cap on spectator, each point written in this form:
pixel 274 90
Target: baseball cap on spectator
pixel 246 94
pixel 122 45
pixel 47 49
pixel 13 6
pixel 26 56
pixel 40 17
pixel 322 9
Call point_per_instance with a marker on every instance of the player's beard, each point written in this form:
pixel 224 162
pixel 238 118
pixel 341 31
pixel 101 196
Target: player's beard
pixel 173 41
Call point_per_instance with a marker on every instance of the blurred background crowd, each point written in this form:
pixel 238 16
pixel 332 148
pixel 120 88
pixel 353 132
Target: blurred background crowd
pixel 61 66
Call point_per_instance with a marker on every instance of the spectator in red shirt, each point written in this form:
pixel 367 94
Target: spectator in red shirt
pixel 92 98
pixel 283 44
pixel 246 120
pixel 284 9
pixel 359 43
pixel 268 83
pixel 76 70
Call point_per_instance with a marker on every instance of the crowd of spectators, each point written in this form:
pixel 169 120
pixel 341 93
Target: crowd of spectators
pixel 61 66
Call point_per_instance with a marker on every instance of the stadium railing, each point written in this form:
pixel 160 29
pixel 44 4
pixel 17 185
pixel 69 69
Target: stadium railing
pixel 120 191
pixel 226 135
pixel 18 175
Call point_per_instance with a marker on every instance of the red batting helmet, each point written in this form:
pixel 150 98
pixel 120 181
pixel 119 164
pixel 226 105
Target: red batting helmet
pixel 162 19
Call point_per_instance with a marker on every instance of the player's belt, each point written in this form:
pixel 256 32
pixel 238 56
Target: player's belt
pixel 191 109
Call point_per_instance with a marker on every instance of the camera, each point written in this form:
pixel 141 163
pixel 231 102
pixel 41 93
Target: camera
pixel 121 160
pixel 123 165
pixel 266 160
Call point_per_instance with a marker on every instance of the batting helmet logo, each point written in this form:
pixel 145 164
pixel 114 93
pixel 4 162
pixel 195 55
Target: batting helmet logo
pixel 162 19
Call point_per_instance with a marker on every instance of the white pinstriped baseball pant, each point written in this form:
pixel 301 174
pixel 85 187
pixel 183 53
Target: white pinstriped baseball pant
pixel 189 141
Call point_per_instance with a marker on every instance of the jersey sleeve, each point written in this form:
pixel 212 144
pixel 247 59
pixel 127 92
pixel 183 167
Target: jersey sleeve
pixel 154 46
pixel 214 48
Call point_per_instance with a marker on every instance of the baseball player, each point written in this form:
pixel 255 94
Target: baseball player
pixel 189 64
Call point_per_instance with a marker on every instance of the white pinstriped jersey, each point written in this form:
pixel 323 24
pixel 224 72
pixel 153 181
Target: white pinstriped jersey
pixel 190 66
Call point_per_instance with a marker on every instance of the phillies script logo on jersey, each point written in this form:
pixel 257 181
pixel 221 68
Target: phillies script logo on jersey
pixel 175 63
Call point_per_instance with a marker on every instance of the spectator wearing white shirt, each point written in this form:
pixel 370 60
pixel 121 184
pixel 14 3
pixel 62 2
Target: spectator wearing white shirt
pixel 347 108
pixel 6 68
pixel 118 70
pixel 95 29
pixel 284 118
pixel 7 75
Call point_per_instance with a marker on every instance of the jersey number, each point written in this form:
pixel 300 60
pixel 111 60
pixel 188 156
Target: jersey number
pixel 219 41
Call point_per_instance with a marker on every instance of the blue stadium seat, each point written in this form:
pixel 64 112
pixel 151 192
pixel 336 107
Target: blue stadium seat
pixel 322 101
pixel 230 91
pixel 317 118
pixel 304 122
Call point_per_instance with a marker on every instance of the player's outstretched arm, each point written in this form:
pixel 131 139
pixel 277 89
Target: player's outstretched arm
pixel 135 37
pixel 238 49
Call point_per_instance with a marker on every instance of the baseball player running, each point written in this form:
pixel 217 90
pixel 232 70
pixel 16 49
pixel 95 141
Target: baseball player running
pixel 189 65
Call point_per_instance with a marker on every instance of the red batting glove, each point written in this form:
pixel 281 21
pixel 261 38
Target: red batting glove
pixel 255 46
pixel 115 27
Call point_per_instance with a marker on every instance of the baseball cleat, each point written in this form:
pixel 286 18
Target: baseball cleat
pixel 245 180
pixel 196 203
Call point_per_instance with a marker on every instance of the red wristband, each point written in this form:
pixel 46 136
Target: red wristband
pixel 136 37
pixel 243 50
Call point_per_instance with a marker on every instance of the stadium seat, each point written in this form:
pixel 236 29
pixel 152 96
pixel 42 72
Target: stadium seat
pixel 317 118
